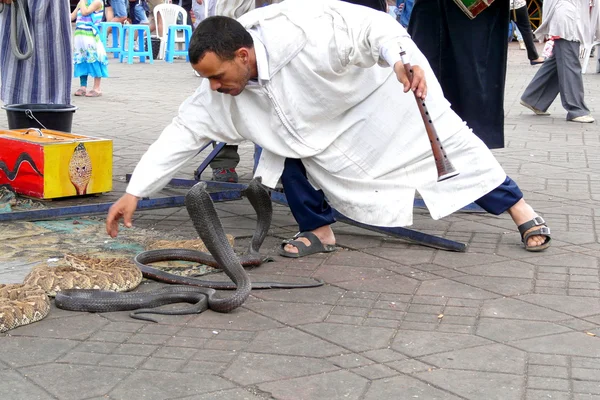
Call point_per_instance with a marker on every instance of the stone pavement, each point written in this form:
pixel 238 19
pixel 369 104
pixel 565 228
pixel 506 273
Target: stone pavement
pixel 395 320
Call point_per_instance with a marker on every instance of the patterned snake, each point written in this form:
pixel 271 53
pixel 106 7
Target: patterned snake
pixel 208 225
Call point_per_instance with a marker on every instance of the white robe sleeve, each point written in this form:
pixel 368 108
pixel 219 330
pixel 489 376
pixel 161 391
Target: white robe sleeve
pixel 178 143
pixel 365 36
pixel 233 8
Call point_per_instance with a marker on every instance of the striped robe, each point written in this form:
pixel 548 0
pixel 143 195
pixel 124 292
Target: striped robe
pixel 45 77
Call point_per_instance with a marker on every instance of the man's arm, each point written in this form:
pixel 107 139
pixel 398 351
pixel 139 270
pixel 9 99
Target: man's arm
pixel 233 8
pixel 94 6
pixel 179 142
pixel 365 37
pixel 123 208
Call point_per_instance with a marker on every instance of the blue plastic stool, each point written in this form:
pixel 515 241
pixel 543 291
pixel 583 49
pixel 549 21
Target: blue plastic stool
pixel 118 37
pixel 170 52
pixel 130 52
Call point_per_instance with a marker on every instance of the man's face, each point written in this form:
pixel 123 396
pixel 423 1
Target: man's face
pixel 229 76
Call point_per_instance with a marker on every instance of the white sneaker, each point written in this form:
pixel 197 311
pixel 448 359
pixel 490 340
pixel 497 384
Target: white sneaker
pixel 522 45
pixel 585 119
pixel 535 110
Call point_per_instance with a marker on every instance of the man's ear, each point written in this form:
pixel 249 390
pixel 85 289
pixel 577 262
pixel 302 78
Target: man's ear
pixel 243 54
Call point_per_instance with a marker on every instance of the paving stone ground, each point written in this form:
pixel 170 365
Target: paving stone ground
pixel 394 321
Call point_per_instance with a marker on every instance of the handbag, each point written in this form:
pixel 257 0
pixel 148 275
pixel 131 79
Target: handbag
pixel 472 8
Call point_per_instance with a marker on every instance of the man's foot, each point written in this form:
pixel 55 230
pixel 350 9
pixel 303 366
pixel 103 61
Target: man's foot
pixel 535 234
pixel 323 242
pixel 225 175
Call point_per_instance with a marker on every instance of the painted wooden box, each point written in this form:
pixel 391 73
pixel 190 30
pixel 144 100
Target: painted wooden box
pixel 49 164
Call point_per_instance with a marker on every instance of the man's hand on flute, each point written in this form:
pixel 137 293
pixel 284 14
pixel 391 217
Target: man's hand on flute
pixel 418 84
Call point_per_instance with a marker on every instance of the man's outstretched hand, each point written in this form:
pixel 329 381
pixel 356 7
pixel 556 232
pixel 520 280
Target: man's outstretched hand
pixel 418 84
pixel 123 208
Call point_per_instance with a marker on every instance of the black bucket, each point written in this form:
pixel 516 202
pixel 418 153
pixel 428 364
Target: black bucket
pixel 155 47
pixel 58 117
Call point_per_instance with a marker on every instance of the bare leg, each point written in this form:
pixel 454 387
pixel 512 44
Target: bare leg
pixel 108 11
pixel 97 84
pixel 95 92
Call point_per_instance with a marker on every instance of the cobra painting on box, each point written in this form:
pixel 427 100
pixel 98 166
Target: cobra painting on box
pixel 49 164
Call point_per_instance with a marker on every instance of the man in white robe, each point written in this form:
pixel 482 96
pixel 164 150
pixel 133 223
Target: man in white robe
pixel 300 80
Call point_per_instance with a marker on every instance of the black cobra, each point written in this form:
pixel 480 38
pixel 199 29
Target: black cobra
pixel 144 302
pixel 208 225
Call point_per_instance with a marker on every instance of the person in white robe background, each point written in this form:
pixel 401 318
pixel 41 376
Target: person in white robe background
pixel 300 80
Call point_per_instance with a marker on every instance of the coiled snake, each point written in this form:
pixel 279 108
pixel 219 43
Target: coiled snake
pixel 208 226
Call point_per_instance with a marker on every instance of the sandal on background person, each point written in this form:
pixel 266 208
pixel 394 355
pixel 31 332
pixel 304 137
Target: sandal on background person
pixel 93 93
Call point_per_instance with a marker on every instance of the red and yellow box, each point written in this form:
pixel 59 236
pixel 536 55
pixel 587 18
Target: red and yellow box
pixel 49 164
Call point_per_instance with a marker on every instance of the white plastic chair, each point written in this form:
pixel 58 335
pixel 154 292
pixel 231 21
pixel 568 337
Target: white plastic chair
pixel 591 32
pixel 587 51
pixel 169 14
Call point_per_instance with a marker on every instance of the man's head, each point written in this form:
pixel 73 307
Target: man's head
pixel 222 51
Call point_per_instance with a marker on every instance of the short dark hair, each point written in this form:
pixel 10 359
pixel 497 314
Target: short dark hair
pixel 221 35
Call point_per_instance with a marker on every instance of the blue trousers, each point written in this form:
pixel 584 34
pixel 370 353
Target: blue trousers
pixel 311 210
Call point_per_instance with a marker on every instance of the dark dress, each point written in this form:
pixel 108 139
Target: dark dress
pixel 469 59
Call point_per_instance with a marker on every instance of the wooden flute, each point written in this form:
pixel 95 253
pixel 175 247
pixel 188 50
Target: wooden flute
pixel 445 169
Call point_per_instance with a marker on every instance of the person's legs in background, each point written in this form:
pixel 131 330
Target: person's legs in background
pixel 119 8
pixel 224 164
pixel 519 36
pixel 560 73
pixel 116 12
pixel 521 17
pixel 82 86
pixel 138 16
pixel 543 88
pixel 108 13
pixel 570 80
pixel 154 24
